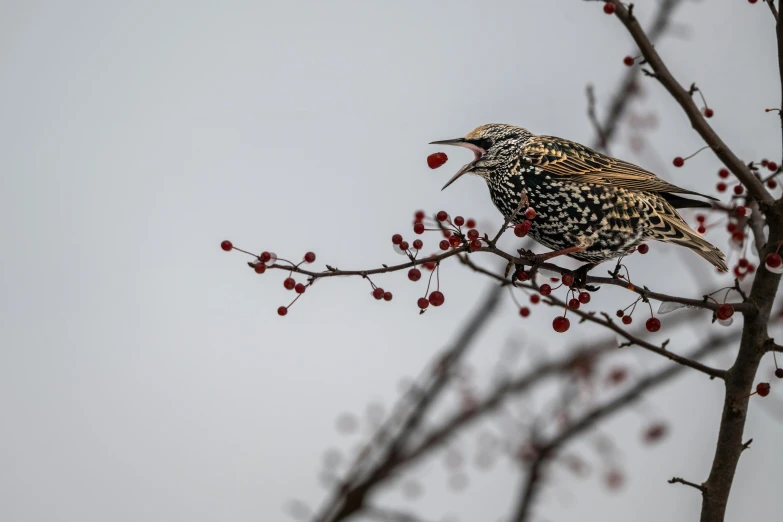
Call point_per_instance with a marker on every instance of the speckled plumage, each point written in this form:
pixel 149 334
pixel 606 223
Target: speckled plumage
pixel 582 198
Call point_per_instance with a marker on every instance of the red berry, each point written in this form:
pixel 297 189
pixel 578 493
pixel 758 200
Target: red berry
pixel 561 324
pixel 436 160
pixel 655 432
pixel 419 215
pixel 404 245
pixel 300 288
pixel 436 298
pixel 725 311
pixel 740 211
pixel 762 389
pixel 414 274
pixel 773 260
pixel 473 234
pixel 653 324
pixel 387 296
pixel 535 298
pixel 779 373
pixel 289 283
pixel 530 213
pixel 442 216
pixel 708 112
pixel 521 229
pixel 738 189
pixel 459 221
pixel 282 311
pixel 377 292
pixel 721 187
pixel 629 61
pixel 619 313
pixel 226 245
pixel 418 244
pixel 738 236
pixel 470 223
pixel 455 240
pixel 396 239
pixel 429 265
pixel 723 173
pixel 772 166
pixel 422 303
pixel 309 257
pixel 765 162
pixel 584 297
pixel 475 245
pixel 753 2
pixel 700 218
pixel 545 289
pixel 418 227
pixel 702 229
pixel 678 161
pixel 573 304
pixel 608 9
pixel 444 244
pixel 627 319
pixel 568 280
pixel 771 183
pixel 743 262
pixel 265 257
pixel 643 248
pixel 524 311
pixel 731 226
pixel 260 268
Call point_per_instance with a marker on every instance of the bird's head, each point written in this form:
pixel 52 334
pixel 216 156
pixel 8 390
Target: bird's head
pixel 492 144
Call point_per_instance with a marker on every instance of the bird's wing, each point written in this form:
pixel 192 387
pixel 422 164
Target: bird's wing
pixel 569 159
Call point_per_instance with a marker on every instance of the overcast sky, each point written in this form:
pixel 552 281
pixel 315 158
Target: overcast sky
pixel 144 373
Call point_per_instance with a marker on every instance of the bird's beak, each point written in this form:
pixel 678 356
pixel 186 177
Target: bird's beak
pixel 460 142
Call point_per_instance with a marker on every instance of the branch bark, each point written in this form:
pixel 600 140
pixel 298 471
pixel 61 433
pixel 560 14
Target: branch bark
pixel 532 483
pixel 683 97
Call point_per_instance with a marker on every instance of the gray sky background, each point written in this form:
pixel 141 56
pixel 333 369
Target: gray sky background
pixel 144 373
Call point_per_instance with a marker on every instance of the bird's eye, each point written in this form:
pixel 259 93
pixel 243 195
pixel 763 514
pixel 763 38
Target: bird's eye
pixel 482 143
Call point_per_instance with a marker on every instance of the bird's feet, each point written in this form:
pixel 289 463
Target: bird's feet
pixel 580 277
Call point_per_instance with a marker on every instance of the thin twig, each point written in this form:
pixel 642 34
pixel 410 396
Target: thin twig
pixel 608 323
pixel 678 480
pixel 682 96
pixel 532 482
pixel 349 497
pixel 771 4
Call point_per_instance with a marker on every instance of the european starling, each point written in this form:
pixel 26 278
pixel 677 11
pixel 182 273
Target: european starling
pixel 589 206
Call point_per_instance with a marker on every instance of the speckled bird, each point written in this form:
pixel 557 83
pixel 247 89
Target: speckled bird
pixel 589 206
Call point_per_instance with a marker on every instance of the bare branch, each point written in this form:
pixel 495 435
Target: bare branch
pixel 608 323
pixel 389 515
pixel 683 97
pixel 771 4
pixel 627 88
pixel 678 480
pixel 349 497
pixel 532 482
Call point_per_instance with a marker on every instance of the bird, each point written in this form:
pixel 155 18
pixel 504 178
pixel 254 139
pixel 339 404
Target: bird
pixel 588 205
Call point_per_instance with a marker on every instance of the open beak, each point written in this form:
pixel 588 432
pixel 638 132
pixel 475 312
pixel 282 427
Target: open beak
pixel 461 142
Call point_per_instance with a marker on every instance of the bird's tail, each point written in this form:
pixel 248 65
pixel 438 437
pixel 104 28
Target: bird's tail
pixel 675 230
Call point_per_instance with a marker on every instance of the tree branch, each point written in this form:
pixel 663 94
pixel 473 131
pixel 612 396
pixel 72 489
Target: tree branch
pixel 349 497
pixel 608 323
pixel 626 90
pixel 771 4
pixel 683 97
pixel 678 480
pixel 532 482
pixel 389 515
